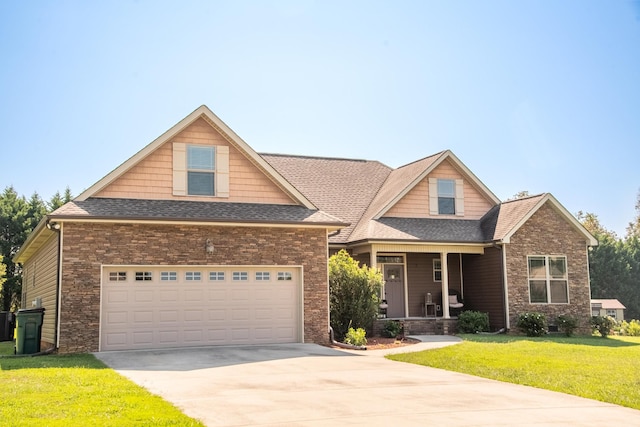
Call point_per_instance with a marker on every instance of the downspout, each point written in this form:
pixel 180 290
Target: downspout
pixel 505 287
pixel 57 228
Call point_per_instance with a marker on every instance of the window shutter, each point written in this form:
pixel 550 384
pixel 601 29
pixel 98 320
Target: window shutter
pixel 459 197
pixel 433 196
pixel 179 169
pixel 222 171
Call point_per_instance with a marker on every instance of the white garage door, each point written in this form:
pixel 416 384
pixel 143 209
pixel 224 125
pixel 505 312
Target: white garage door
pixel 163 307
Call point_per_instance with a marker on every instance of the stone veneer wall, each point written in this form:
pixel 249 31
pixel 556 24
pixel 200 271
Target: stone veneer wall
pixel 548 233
pixel 87 246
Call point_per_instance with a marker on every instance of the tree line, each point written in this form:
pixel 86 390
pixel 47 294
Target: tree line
pixel 614 265
pixel 18 217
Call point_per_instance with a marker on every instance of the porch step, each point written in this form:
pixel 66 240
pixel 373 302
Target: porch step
pixel 420 326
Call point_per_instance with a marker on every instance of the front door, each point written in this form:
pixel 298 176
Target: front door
pixel 394 289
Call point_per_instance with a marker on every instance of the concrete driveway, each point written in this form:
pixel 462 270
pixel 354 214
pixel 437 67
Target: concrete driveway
pixel 311 385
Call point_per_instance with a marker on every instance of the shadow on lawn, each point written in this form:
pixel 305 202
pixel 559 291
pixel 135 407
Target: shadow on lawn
pixel 560 339
pixel 86 361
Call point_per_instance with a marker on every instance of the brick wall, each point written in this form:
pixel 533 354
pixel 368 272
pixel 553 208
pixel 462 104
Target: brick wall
pixel 548 233
pixel 88 246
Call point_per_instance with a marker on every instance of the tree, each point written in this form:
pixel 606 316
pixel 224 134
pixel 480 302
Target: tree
pixel 520 195
pixel 18 217
pixel 633 229
pixel 353 294
pixel 57 200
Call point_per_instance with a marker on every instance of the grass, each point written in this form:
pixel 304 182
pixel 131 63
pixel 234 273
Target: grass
pixel 591 367
pixel 76 390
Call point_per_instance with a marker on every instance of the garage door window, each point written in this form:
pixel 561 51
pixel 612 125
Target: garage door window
pixel 262 276
pixel 192 276
pixel 240 276
pixel 216 276
pixel 284 275
pixel 143 276
pixel 117 276
pixel 168 276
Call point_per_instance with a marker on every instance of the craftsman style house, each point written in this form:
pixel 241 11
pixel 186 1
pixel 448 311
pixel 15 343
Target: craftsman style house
pixel 199 240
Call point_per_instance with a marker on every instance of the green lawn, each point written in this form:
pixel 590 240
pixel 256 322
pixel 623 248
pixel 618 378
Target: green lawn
pixel 76 390
pixel 603 369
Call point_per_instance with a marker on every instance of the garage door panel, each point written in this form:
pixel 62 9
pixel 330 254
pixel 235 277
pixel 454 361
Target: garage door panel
pixel 212 311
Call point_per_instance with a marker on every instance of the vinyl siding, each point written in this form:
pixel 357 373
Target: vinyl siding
pixel 420 280
pixel 39 281
pixel 152 177
pixel 415 204
pixel 483 289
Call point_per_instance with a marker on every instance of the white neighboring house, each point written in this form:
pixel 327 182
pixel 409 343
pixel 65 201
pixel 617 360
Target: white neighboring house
pixel 607 307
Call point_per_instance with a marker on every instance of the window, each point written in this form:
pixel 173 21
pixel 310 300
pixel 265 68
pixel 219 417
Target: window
pixel 216 276
pixel 284 275
pixel 240 276
pixel 168 276
pixel 262 276
pixel 446 197
pixel 548 281
pixel 192 276
pixel 143 276
pixel 200 170
pixel 117 276
pixel 437 270
pixel 611 313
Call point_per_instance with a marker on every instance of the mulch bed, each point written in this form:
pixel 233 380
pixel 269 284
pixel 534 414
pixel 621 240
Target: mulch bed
pixel 379 343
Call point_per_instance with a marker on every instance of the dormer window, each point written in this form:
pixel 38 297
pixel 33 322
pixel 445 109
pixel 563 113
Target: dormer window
pixel 200 170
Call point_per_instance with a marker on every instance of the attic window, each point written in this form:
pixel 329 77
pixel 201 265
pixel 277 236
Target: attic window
pixel 200 170
pixel 446 197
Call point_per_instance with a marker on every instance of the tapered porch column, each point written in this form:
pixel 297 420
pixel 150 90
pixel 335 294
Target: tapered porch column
pixel 445 285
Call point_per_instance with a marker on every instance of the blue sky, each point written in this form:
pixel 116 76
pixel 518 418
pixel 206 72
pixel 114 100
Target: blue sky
pixel 542 96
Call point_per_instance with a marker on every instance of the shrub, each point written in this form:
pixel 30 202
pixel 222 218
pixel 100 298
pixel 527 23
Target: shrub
pixel 567 324
pixel 533 324
pixel 353 294
pixel 471 322
pixel 391 329
pixel 602 325
pixel 631 329
pixel 356 337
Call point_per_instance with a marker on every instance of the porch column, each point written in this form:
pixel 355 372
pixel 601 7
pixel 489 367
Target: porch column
pixel 445 285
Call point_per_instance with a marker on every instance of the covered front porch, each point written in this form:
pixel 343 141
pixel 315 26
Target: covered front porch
pixel 423 283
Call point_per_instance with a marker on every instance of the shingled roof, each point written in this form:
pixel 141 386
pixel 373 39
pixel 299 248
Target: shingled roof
pixel 173 210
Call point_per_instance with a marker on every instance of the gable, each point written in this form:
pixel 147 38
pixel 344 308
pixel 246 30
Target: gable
pixel 153 176
pixel 421 201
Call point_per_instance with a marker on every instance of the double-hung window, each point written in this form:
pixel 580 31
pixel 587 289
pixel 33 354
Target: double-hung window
pixel 548 280
pixel 200 170
pixel 446 197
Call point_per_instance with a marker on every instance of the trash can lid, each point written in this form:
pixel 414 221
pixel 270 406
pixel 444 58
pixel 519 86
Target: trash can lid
pixel 31 310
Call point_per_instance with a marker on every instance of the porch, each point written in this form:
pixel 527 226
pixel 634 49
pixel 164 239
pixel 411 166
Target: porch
pixel 420 325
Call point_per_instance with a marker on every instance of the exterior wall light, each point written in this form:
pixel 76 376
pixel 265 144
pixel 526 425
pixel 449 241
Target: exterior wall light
pixel 208 246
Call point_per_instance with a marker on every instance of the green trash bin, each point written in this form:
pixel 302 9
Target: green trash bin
pixel 29 330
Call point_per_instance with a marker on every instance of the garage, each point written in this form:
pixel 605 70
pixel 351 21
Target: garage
pixel 146 307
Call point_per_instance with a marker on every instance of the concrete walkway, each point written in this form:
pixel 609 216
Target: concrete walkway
pixel 311 385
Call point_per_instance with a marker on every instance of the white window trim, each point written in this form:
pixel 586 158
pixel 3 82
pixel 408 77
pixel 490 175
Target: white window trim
pixel 220 172
pixel 459 197
pixel 548 279
pixel 437 260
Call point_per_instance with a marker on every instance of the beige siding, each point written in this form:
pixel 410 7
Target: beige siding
pixel 415 204
pixel 152 177
pixel 40 280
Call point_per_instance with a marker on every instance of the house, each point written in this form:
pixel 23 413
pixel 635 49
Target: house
pixel 199 240
pixel 607 307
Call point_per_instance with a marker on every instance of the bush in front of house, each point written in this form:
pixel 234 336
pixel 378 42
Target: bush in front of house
pixel 567 324
pixel 353 294
pixel 630 329
pixel 356 337
pixel 533 324
pixel 391 329
pixel 603 325
pixel 472 322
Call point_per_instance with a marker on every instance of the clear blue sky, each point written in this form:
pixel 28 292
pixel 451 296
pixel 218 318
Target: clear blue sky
pixel 542 96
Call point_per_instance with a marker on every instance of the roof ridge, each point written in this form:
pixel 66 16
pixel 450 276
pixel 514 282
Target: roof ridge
pixel 424 158
pixel 299 156
pixel 523 198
